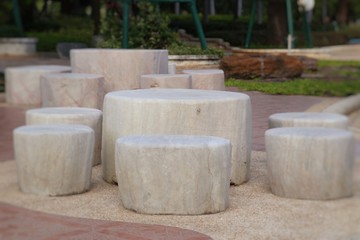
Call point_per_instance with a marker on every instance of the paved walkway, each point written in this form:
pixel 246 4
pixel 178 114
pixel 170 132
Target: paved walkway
pixel 19 223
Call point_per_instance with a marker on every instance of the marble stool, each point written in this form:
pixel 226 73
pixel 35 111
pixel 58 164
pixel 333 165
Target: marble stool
pixel 310 163
pixel 23 83
pixel 165 81
pixel 171 68
pixel 121 68
pixel 70 115
pixel 179 112
pixel 210 79
pixel 163 174
pixel 72 90
pixel 54 160
pixel 308 119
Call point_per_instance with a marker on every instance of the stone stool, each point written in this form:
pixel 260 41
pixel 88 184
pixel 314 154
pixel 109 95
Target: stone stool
pixel 310 163
pixel 171 68
pixel 210 79
pixel 308 119
pixel 72 90
pixel 54 160
pixel 121 68
pixel 23 83
pixel 70 115
pixel 165 81
pixel 163 174
pixel 179 112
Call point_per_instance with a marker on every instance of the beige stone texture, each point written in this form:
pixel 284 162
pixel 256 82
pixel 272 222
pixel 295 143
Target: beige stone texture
pixel 72 90
pixel 209 79
pixel 310 163
pixel 173 174
pixel 121 68
pixel 308 119
pixel 165 81
pixel 54 160
pixel 90 117
pixel 23 83
pixel 179 112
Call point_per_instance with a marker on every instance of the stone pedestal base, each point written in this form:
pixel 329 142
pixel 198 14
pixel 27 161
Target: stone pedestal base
pixel 71 115
pixel 165 81
pixel 179 112
pixel 308 119
pixel 23 83
pixel 72 90
pixel 54 160
pixel 310 163
pixel 174 174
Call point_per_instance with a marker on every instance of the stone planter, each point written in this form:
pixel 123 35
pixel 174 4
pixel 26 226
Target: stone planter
pixel 18 46
pixel 194 61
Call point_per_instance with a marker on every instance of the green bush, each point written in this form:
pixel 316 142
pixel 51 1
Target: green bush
pixel 10 31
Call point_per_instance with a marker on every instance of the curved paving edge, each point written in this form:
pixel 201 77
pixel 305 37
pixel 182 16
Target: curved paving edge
pixel 20 223
pixel 345 106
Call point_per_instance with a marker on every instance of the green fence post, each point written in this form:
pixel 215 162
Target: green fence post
pixel 125 24
pixel 251 24
pixel 290 21
pixel 307 28
pixel 198 24
pixel 17 16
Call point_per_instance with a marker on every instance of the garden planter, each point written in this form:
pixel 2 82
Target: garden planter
pixel 18 46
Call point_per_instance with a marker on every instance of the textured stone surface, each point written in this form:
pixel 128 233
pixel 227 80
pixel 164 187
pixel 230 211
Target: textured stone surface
pixel 54 160
pixel 179 112
pixel 308 119
pixel 165 81
pixel 248 66
pixel 72 90
pixel 18 46
pixel 171 68
pixel 310 163
pixel 23 83
pixel 210 79
pixel 70 115
pixel 173 174
pixel 121 68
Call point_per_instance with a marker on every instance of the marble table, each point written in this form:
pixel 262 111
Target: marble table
pixel 179 112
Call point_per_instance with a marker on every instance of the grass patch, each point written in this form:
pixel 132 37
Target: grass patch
pixel 332 63
pixel 299 87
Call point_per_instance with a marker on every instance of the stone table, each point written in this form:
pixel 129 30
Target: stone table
pixel 179 112
pixel 121 68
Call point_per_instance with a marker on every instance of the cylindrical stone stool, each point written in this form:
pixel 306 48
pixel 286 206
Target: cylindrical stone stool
pixel 173 174
pixel 121 68
pixel 210 79
pixel 308 119
pixel 72 90
pixel 179 112
pixel 90 117
pixel 310 163
pixel 54 160
pixel 165 81
pixel 171 68
pixel 23 83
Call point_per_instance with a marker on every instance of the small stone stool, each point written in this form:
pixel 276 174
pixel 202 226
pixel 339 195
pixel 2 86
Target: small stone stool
pixel 54 160
pixel 171 68
pixel 210 79
pixel 165 81
pixel 23 83
pixel 72 90
pixel 163 174
pixel 310 163
pixel 179 112
pixel 308 119
pixel 70 115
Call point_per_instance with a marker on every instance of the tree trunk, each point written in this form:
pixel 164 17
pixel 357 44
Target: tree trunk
pixel 342 14
pixel 277 23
